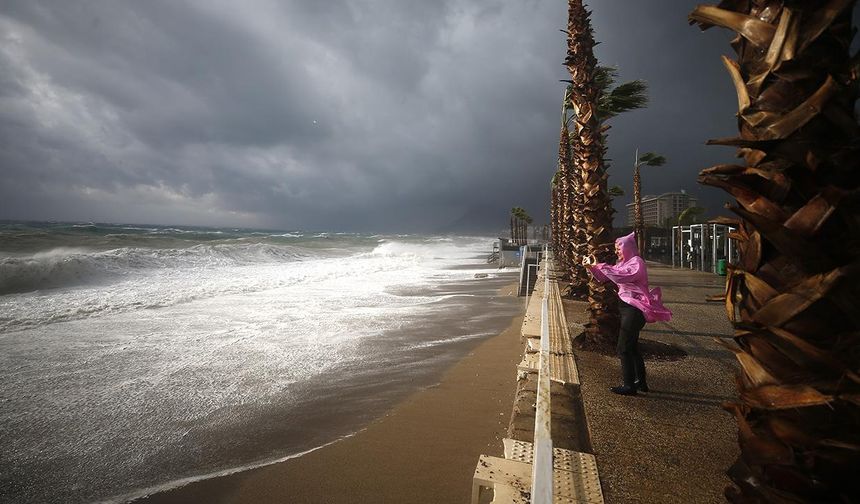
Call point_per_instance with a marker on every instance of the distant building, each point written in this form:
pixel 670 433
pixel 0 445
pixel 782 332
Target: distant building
pixel 656 209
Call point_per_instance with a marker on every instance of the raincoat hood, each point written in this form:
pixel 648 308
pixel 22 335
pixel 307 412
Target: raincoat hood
pixel 628 247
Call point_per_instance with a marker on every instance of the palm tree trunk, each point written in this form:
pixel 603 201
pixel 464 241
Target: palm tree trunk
pixel 515 223
pixel 553 217
pixel 602 328
pixel 638 220
pixel 576 232
pixel 570 184
pixel 564 198
pixel 517 230
pixel 794 296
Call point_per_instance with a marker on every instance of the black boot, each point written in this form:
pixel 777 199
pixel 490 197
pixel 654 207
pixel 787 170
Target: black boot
pixel 628 374
pixel 641 383
pixel 623 390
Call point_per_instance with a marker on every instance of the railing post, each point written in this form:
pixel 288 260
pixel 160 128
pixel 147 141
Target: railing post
pixel 672 241
pixel 528 282
pixel 542 463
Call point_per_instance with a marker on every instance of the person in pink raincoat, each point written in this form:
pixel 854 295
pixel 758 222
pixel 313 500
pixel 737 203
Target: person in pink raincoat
pixel 638 306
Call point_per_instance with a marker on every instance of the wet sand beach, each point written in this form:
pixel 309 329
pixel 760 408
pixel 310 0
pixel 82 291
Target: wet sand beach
pixel 422 450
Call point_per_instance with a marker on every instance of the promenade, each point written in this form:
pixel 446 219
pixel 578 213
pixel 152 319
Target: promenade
pixel 675 443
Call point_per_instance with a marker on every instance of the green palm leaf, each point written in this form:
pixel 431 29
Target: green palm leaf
pixel 652 159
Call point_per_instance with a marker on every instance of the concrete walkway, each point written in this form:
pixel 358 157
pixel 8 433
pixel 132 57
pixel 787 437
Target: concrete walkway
pixel 675 443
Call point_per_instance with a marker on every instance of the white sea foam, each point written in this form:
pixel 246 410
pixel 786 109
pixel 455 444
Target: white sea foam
pixel 150 278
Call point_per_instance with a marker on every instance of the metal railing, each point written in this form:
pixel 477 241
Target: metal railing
pixel 542 463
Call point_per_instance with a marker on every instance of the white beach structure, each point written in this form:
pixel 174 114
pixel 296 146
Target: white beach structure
pixel 506 254
pixel 704 247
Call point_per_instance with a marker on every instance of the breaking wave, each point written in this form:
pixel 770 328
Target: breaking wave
pixel 68 266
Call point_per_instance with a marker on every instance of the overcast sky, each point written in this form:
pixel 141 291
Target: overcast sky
pixel 376 115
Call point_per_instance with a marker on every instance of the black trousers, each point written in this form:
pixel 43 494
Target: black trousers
pixel 632 363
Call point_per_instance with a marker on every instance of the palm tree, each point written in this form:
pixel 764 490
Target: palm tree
pixel 527 221
pixel 588 154
pixel 622 98
pixel 690 215
pixel 521 214
pixel 572 223
pixel 518 221
pixel 616 191
pixel 793 297
pixel 554 215
pixel 517 214
pixel 569 212
pixel 613 100
pixel 519 225
pixel 647 159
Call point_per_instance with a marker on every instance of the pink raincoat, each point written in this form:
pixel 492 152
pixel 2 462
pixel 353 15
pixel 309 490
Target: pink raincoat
pixel 631 275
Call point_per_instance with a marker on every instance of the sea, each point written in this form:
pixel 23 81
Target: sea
pixel 137 358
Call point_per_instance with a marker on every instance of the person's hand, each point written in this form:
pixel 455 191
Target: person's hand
pixel 588 260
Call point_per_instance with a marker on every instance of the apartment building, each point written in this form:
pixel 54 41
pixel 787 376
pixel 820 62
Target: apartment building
pixel 656 209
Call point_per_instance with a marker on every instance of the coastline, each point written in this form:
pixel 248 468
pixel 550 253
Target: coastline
pixel 422 450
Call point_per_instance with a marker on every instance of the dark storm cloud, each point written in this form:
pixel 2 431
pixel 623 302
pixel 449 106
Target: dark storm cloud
pixel 376 114
pixel 691 97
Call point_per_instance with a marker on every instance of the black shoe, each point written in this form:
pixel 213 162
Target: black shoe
pixel 641 386
pixel 623 390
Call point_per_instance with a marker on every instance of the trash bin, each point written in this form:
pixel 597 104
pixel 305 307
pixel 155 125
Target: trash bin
pixel 721 267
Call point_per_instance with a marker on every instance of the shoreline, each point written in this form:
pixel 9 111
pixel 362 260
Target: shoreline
pixel 142 495
pixel 418 449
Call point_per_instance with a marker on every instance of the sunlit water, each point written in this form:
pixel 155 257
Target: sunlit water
pixel 134 357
